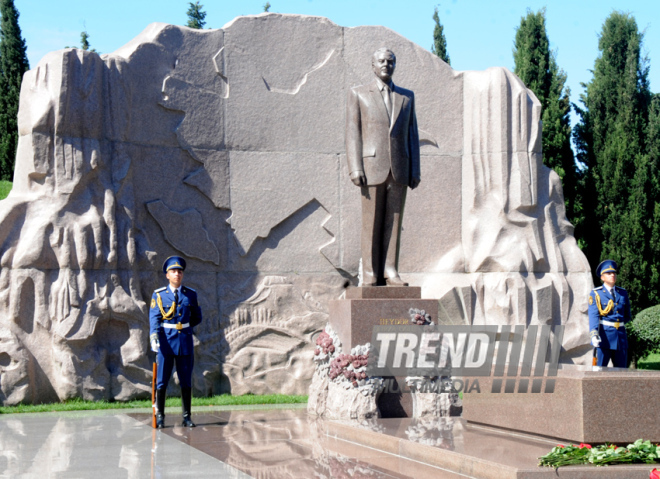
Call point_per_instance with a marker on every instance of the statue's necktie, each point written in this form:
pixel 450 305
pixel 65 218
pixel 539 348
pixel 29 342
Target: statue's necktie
pixel 388 102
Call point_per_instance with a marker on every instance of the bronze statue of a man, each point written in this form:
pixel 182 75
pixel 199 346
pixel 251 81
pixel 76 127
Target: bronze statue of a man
pixel 382 148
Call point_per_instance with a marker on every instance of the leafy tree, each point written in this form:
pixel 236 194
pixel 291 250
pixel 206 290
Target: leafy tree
pixel 267 7
pixel 619 190
pixel 196 15
pixel 536 66
pixel 439 46
pixel 13 64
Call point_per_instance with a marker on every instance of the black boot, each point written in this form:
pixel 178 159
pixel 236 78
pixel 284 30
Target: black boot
pixel 160 408
pixel 186 398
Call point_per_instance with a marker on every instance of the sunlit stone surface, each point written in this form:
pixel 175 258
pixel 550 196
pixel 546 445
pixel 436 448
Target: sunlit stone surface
pixel 227 147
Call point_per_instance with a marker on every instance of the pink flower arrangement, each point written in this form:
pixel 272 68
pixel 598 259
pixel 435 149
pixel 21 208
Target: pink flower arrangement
pixel 340 365
pixel 324 342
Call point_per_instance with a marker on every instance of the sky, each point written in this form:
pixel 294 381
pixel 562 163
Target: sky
pixel 479 33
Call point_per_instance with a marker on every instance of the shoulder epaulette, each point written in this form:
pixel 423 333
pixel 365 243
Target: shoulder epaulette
pixel 160 289
pixel 599 287
pixel 189 289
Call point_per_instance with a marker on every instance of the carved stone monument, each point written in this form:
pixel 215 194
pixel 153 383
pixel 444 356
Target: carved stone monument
pixel 227 147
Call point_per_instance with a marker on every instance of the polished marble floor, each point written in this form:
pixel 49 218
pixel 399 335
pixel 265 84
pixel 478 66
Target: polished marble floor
pixel 273 442
pixel 280 443
pixel 239 443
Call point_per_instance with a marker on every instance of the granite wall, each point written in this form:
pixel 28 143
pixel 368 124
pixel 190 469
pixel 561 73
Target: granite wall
pixel 227 147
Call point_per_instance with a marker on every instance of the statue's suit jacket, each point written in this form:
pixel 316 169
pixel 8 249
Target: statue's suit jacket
pixel 372 144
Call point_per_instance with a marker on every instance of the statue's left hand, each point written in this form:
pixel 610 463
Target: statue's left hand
pixel 358 178
pixel 414 183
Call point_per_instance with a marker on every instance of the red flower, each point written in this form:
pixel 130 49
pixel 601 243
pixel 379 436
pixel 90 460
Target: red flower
pixel 560 445
pixel 584 445
pixel 655 474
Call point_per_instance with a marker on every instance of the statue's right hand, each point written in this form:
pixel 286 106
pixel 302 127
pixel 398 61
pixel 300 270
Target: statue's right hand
pixel 358 178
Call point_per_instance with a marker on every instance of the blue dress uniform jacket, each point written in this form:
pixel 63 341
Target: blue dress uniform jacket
pixel 176 344
pixel 173 341
pixel 612 338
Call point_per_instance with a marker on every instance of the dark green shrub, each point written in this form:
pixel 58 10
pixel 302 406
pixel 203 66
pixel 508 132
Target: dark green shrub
pixel 644 334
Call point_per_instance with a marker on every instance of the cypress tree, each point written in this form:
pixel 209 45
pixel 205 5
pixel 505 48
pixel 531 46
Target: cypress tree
pixel 13 64
pixel 196 16
pixel 652 250
pixel 531 55
pixel 439 46
pixel 84 40
pixel 536 66
pixel 618 192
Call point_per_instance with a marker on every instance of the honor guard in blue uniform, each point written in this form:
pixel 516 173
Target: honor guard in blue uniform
pixel 609 312
pixel 173 314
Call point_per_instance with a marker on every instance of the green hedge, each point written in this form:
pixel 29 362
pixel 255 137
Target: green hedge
pixel 5 188
pixel 644 334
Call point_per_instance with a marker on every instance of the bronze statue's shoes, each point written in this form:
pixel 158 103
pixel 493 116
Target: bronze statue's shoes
pixel 368 280
pixel 187 422
pixel 396 281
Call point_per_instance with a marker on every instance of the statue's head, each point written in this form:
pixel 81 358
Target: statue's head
pixel 383 64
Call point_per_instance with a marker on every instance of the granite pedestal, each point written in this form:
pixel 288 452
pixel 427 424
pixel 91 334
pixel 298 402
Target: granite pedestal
pixel 609 405
pixel 354 318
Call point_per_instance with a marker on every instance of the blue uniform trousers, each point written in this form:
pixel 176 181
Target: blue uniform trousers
pixel 619 357
pixel 184 366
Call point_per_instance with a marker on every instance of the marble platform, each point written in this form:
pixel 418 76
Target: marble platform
pixel 460 449
pixel 272 442
pixel 593 406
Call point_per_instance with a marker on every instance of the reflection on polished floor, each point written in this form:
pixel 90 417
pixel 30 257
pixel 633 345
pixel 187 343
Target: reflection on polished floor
pixel 287 443
pixel 277 442
pixel 239 443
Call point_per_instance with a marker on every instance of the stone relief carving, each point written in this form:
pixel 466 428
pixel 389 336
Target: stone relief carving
pixel 238 134
pixel 176 228
pixel 270 334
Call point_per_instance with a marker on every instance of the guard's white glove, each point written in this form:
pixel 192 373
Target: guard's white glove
pixel 595 341
pixel 155 344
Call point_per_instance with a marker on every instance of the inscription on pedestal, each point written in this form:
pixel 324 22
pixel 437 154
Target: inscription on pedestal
pixel 354 318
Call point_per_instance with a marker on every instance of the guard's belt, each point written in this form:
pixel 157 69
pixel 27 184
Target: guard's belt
pixel 614 324
pixel 178 326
